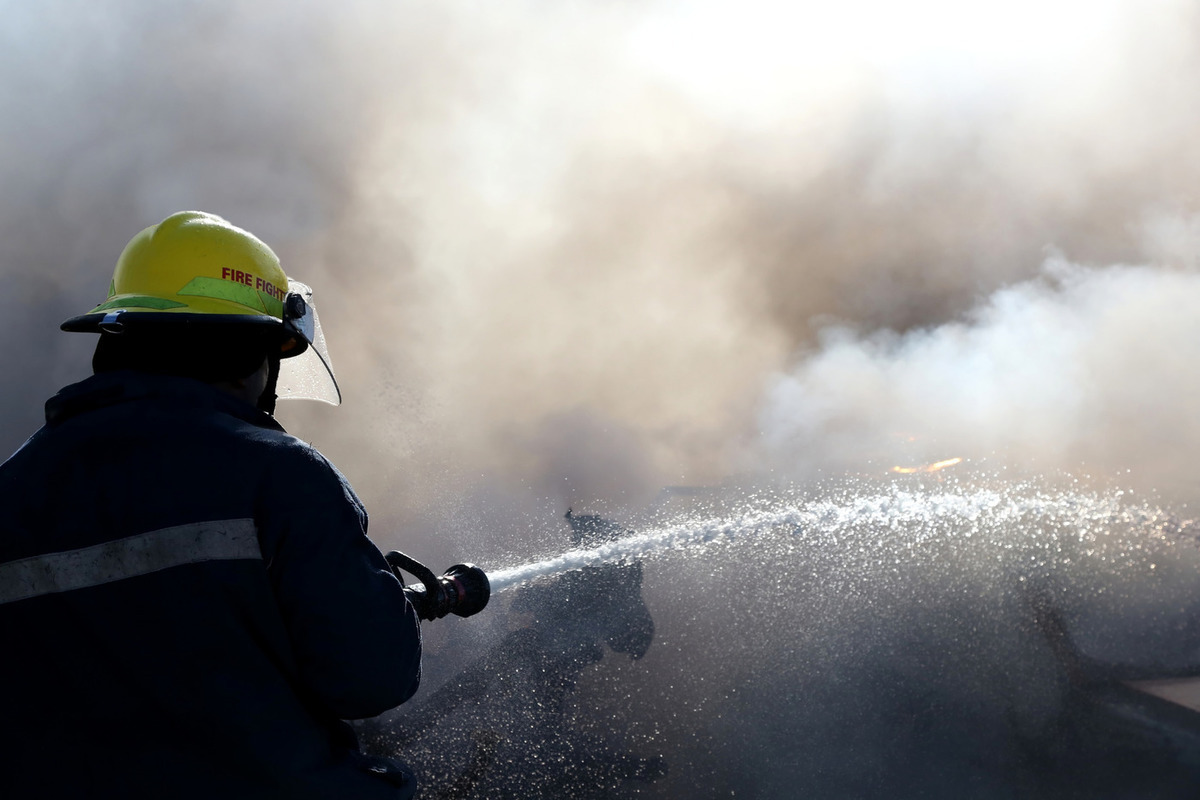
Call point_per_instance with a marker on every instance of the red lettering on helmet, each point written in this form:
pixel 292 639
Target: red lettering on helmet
pixel 225 272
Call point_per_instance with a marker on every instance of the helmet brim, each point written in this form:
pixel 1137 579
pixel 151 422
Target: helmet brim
pixel 121 320
pixel 305 371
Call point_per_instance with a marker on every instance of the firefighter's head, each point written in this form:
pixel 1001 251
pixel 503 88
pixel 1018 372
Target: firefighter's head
pixel 199 297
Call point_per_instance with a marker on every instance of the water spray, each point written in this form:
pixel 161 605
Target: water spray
pixel 638 545
pixel 900 520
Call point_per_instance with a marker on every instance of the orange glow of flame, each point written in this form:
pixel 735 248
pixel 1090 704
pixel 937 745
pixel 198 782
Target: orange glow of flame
pixel 934 467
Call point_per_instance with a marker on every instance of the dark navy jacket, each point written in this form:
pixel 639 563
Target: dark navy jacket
pixel 189 605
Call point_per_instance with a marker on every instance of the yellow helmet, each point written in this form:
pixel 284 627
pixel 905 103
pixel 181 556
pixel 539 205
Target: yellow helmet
pixel 195 263
pixel 196 268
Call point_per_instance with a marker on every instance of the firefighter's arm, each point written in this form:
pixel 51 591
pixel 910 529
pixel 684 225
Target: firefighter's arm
pixel 356 637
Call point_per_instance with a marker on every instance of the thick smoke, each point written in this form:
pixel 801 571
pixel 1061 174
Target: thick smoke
pixel 562 251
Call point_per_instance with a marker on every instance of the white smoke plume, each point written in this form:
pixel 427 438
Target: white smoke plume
pixel 570 253
pixel 1081 370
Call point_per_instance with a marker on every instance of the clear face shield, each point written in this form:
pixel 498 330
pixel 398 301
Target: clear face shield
pixel 309 375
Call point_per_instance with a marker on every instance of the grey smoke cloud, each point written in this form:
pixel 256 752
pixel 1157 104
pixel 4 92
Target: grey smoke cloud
pixel 559 263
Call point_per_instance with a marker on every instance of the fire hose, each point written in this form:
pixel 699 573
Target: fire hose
pixel 462 590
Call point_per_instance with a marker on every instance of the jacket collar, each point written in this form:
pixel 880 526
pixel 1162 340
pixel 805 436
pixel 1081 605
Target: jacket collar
pixel 123 386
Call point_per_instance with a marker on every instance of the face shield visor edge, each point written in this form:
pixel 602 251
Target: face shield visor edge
pixel 308 374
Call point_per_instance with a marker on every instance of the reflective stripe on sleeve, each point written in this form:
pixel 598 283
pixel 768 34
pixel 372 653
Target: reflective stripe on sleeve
pixel 218 540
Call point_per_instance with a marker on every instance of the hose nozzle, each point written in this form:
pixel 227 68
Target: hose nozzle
pixel 463 590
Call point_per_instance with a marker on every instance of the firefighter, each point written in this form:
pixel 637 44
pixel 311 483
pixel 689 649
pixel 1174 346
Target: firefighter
pixel 189 603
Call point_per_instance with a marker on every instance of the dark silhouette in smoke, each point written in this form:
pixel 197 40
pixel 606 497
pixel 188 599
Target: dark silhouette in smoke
pixel 506 726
